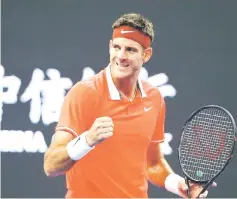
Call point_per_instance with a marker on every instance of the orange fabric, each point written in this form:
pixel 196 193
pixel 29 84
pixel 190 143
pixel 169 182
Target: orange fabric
pixel 134 34
pixel 117 166
pixel 157 167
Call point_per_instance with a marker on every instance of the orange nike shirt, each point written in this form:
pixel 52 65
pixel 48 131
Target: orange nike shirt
pixel 117 166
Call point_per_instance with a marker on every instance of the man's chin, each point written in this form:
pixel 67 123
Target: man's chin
pixel 122 75
pixel 121 72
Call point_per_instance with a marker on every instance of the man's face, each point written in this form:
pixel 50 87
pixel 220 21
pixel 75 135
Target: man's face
pixel 126 57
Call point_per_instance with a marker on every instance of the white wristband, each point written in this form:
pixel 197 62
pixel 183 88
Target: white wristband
pixel 78 147
pixel 172 182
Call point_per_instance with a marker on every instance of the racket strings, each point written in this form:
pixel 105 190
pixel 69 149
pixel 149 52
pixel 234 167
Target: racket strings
pixel 206 143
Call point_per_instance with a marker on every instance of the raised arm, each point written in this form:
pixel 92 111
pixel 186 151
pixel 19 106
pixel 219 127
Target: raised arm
pixel 56 158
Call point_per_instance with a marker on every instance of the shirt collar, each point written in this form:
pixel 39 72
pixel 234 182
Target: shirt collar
pixel 113 91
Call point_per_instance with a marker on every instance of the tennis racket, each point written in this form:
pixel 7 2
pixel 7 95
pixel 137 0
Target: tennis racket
pixel 206 145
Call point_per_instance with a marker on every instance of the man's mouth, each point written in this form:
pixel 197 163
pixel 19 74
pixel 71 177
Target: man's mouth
pixel 122 65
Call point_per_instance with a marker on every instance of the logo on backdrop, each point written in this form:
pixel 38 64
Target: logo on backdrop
pixel 45 105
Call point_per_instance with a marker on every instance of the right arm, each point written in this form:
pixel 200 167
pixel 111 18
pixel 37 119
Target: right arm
pixel 65 149
pixel 69 143
pixel 56 158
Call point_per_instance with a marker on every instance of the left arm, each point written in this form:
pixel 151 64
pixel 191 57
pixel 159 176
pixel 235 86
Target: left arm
pixel 158 170
pixel 157 167
pixel 160 174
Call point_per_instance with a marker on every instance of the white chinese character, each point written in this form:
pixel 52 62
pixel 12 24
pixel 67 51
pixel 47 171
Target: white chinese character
pixel 9 88
pixel 87 73
pixel 165 146
pixel 1 92
pixel 46 95
pixel 159 80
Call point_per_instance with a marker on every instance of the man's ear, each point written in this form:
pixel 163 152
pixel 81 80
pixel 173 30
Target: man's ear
pixel 110 43
pixel 147 54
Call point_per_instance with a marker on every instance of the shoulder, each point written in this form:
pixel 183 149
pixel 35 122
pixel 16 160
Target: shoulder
pixel 153 94
pixel 90 87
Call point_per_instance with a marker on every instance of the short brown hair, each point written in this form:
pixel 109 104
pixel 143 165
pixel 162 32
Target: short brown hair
pixel 136 21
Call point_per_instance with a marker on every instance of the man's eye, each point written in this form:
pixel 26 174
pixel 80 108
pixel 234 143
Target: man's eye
pixel 116 47
pixel 131 49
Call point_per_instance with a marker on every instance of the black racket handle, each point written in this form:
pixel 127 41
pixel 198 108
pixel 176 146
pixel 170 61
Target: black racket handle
pixel 187 183
pixel 203 190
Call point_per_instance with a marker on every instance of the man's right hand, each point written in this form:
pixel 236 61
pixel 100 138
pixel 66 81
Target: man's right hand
pixel 101 129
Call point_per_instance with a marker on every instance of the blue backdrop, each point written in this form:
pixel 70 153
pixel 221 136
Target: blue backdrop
pixel 49 45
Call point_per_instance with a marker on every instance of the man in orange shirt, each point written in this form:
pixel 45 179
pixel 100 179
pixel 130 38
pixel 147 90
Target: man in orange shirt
pixel 108 137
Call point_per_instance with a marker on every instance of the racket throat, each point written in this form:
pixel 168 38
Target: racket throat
pixel 205 187
pixel 187 181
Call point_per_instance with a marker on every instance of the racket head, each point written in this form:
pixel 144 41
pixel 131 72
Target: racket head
pixel 207 143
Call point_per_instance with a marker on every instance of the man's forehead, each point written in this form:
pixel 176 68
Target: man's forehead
pixel 126 42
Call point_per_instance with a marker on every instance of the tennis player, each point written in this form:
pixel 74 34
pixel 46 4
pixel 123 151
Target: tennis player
pixel 108 137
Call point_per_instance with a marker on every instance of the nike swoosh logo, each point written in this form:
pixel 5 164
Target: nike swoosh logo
pixel 126 31
pixel 147 109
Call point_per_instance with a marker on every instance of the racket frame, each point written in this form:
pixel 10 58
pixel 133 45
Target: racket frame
pixel 206 183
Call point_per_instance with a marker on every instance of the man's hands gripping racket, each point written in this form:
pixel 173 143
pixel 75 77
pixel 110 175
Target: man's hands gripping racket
pixel 206 146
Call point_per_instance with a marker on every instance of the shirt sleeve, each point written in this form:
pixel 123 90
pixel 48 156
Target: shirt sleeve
pixel 76 114
pixel 158 135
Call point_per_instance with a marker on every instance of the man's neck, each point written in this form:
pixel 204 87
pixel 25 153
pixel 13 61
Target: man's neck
pixel 126 87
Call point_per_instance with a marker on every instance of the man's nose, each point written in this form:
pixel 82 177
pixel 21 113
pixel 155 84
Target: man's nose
pixel 122 54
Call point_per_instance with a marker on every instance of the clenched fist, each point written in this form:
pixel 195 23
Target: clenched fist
pixel 101 129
